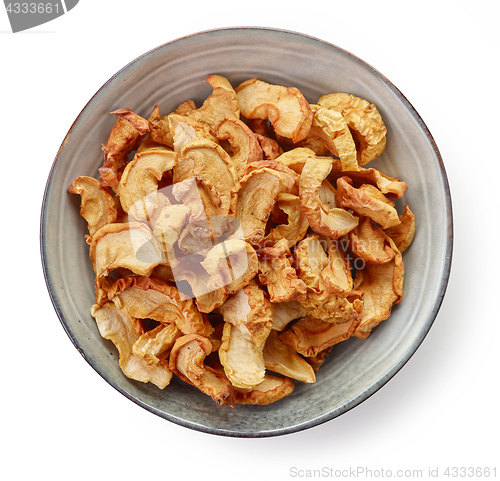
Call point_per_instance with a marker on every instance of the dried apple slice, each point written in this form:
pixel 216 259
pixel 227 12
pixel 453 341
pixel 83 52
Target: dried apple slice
pixel 277 273
pixel 253 199
pixel 207 298
pixel 184 129
pixel 310 261
pixel 221 104
pixel 270 390
pixel 381 286
pixel 283 359
pixel 231 264
pixel 207 220
pixel 318 360
pixel 364 202
pixel 309 336
pixel 131 246
pixel 271 150
pixel 155 345
pixel 141 177
pixel 279 167
pixel 125 136
pixel 206 159
pixel 331 128
pixel 187 362
pixel 250 310
pixel 244 145
pixel 327 284
pixel 337 273
pixel 148 298
pixel 139 123
pixel 242 359
pixel 286 312
pixel 295 159
pixel 97 206
pixel 286 108
pixel 332 223
pixel 168 226
pixel 390 186
pixel 159 126
pixel 370 242
pixel 118 327
pixel 296 227
pixel 364 120
pixel 403 233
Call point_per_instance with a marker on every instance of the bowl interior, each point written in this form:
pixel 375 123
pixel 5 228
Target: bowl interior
pixel 177 71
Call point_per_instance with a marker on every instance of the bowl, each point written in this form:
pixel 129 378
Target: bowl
pixel 176 71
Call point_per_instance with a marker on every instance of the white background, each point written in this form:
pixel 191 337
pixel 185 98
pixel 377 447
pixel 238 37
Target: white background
pixel 60 420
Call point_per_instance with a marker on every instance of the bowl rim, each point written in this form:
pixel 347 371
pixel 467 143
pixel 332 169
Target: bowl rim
pixel 363 396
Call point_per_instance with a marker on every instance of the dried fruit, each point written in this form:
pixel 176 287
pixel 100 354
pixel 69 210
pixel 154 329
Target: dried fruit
pixel 243 238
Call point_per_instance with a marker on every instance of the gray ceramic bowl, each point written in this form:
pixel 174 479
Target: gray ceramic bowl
pixel 169 75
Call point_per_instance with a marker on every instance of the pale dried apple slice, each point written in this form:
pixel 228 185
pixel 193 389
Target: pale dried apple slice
pixel 295 159
pixel 286 312
pixel 364 120
pixel 207 220
pixel 184 129
pixel 141 177
pixel 249 310
pixel 130 245
pixel 231 264
pixel 327 195
pixel 155 345
pixel 331 128
pixel 337 273
pixel 332 223
pixel 146 298
pixel 253 199
pixel 241 358
pixel 279 167
pixel 310 261
pixel 283 359
pixel 206 159
pixel 168 226
pixel 118 327
pixel 389 186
